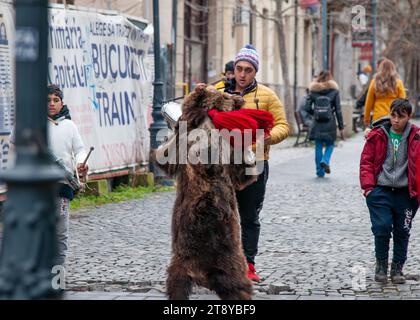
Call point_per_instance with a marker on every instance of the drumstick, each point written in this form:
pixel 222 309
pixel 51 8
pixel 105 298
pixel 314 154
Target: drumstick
pixel 88 155
pixel 84 163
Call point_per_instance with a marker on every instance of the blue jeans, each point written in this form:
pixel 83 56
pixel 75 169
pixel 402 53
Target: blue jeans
pixel 391 212
pixel 322 156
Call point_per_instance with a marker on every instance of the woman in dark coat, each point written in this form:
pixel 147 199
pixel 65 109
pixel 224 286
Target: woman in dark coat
pixel 323 128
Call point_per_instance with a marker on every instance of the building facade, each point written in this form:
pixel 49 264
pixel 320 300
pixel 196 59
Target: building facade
pixel 211 32
pixel 199 36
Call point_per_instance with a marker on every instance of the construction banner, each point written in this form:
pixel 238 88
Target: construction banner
pixel 101 63
pixel 7 74
pixel 104 65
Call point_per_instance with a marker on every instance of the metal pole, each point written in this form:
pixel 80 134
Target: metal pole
pixel 29 244
pixel 324 35
pixel 158 121
pixel 295 58
pixel 174 35
pixel 374 15
pixel 251 24
pixel 315 51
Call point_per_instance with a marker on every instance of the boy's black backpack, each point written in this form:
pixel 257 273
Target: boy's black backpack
pixel 322 109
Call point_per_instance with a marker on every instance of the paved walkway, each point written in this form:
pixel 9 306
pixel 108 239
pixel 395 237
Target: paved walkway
pixel 315 240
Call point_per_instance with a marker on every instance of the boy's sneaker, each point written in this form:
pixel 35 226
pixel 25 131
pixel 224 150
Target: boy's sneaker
pixel 252 274
pixel 397 275
pixel 381 271
pixel 326 167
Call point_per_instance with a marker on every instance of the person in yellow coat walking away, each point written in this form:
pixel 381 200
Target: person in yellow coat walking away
pixel 384 88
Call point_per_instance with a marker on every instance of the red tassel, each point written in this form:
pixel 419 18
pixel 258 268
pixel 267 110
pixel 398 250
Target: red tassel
pixel 242 119
pixel 264 118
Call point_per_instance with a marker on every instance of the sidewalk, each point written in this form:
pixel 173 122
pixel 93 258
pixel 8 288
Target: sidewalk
pixel 145 296
pixel 315 244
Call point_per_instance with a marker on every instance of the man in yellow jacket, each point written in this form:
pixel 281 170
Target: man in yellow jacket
pixel 256 96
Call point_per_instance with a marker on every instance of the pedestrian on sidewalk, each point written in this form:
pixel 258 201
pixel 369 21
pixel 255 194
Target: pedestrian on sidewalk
pixel 228 76
pixel 361 101
pixel 388 179
pixel 302 103
pixel 256 96
pixel 385 87
pixel 230 70
pixel 66 145
pixel 321 114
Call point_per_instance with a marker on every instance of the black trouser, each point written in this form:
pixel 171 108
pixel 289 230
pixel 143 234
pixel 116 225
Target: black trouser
pixel 250 203
pixel 391 211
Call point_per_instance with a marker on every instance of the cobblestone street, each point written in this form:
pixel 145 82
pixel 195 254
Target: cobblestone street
pixel 315 240
pixel 89 89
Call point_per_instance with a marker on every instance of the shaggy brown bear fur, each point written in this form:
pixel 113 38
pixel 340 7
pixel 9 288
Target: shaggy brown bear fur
pixel 206 236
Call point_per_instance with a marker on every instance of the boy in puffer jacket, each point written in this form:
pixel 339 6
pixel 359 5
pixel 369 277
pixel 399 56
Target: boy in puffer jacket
pixel 388 179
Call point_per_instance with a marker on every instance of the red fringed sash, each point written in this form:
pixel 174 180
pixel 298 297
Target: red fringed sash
pixel 239 120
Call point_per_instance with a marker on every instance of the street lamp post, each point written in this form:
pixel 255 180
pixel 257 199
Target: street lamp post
pixel 158 121
pixel 374 14
pixel 29 244
pixel 295 57
pixel 324 35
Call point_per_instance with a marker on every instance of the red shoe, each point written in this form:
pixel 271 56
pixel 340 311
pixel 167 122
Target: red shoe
pixel 252 274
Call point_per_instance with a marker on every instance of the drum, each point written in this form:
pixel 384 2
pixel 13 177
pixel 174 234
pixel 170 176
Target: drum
pixel 171 111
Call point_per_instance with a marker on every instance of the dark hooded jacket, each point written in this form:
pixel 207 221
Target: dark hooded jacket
pixel 323 130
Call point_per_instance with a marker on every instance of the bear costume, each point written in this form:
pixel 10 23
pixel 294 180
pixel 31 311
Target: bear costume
pixel 206 232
